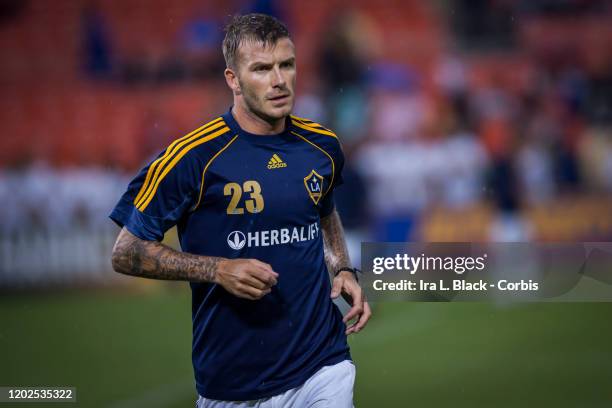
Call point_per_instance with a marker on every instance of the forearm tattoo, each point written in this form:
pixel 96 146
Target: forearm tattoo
pixel 152 259
pixel 336 253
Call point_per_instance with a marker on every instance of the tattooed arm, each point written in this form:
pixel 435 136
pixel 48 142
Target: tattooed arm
pixel 336 253
pixel 336 257
pixel 246 278
pixel 152 259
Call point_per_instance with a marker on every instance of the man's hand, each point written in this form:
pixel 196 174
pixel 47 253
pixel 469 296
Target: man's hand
pixel 246 278
pixel 346 285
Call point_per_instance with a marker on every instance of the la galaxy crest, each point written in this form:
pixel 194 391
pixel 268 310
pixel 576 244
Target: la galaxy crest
pixel 314 186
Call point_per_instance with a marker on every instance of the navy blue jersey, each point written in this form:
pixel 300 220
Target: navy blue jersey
pixel 238 195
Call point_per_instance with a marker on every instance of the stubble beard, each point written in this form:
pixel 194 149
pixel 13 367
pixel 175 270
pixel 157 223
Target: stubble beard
pixel 256 106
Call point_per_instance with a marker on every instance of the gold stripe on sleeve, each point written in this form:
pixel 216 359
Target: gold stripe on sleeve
pixel 142 206
pixel 312 129
pixel 168 157
pixel 168 152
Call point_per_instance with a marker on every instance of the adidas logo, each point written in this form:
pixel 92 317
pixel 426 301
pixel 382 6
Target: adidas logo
pixel 276 162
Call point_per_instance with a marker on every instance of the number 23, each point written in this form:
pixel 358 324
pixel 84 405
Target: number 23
pixel 254 204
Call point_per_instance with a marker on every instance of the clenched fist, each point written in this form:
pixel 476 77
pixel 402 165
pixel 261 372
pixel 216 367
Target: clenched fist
pixel 246 278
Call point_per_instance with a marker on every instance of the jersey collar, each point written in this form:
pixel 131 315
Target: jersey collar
pixel 259 139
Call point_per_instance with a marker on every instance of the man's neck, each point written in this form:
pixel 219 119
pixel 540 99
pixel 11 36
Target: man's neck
pixel 249 122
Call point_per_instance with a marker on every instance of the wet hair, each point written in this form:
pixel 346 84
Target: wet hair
pixel 251 27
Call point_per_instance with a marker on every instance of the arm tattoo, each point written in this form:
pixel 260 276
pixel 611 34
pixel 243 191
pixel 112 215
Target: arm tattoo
pixel 336 253
pixel 152 259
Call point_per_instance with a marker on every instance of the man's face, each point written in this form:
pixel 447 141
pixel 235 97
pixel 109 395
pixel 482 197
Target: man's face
pixel 266 76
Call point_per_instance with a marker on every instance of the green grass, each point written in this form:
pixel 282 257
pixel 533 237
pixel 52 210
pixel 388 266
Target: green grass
pixel 133 350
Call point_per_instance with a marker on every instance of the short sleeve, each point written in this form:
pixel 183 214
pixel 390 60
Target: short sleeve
pixel 159 196
pixel 327 205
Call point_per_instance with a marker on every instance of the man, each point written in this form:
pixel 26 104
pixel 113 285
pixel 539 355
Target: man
pixel 251 193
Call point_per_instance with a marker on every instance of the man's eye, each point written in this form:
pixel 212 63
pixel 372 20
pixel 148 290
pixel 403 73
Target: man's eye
pixel 261 69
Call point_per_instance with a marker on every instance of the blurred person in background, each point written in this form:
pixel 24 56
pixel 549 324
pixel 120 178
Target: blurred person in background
pixel 250 192
pixel 200 39
pixel 347 45
pixel 97 51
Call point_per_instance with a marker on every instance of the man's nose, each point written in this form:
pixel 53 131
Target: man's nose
pixel 278 79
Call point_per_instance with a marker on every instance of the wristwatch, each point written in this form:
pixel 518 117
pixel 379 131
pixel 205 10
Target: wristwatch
pixel 351 270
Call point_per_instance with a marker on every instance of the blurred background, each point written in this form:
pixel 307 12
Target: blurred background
pixel 467 120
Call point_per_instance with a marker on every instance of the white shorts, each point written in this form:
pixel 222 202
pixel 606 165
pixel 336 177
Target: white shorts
pixel 330 387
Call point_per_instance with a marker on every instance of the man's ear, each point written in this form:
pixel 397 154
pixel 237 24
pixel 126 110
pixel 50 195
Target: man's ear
pixel 232 81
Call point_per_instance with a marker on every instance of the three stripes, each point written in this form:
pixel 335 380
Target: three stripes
pixel 311 126
pixel 179 148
